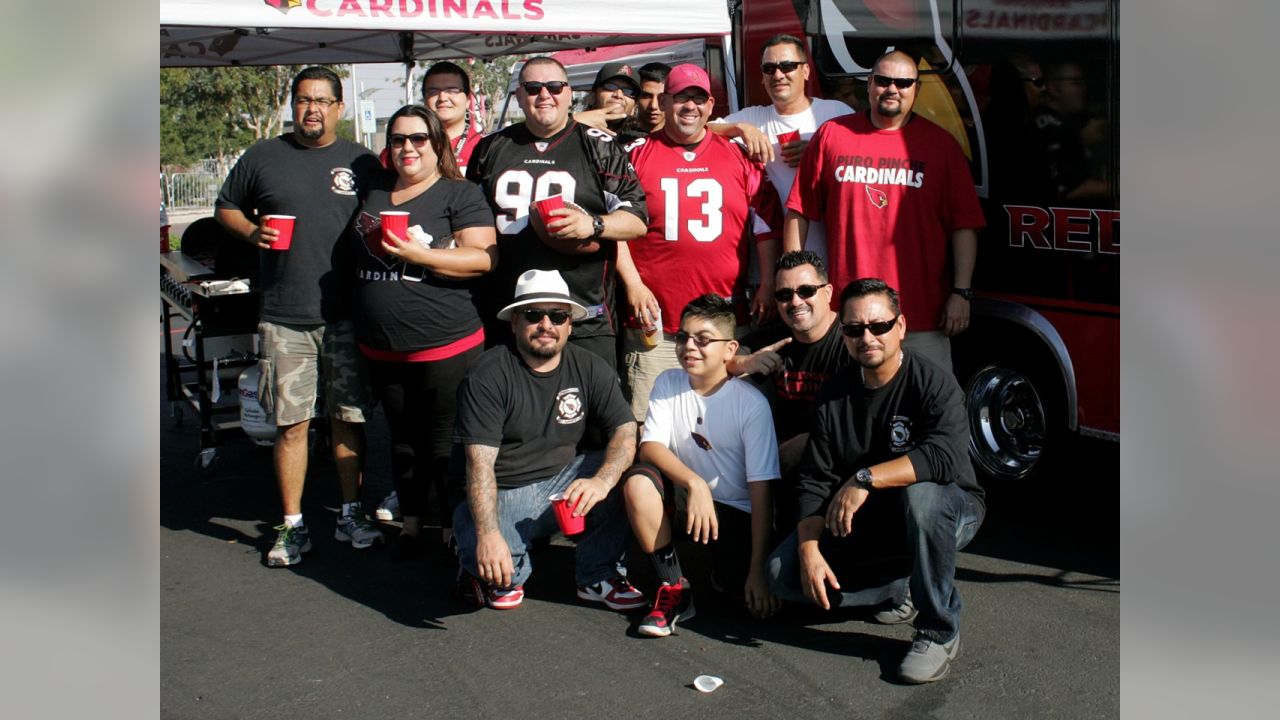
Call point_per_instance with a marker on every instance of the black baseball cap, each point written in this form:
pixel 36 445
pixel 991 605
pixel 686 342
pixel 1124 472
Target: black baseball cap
pixel 610 71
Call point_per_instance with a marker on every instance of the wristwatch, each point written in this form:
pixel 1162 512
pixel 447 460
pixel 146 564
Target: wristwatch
pixel 597 226
pixel 862 479
pixel 966 293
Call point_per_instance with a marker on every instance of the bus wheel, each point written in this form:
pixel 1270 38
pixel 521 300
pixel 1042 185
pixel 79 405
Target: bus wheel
pixel 1007 422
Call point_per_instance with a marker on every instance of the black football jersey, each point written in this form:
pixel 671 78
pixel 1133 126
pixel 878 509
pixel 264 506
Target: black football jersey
pixel 515 168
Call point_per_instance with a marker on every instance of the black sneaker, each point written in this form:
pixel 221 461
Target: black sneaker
pixel 673 604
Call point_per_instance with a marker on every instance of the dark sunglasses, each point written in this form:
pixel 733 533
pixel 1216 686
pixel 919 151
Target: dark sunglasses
pixel 786 66
pixel 614 87
pixel 555 87
pixel 698 98
pixel 418 139
pixel 1038 81
pixel 702 441
pixel 534 316
pixel 885 81
pixel 855 330
pixel 682 337
pixel 783 295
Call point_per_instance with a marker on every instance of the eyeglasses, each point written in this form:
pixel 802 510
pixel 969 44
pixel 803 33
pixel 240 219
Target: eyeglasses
pixel 855 330
pixel 418 139
pixel 702 441
pixel 616 87
pixel 322 103
pixel 683 337
pixel 432 92
pixel 698 98
pixel 784 295
pixel 555 87
pixel 885 81
pixel 1038 81
pixel 534 316
pixel 786 66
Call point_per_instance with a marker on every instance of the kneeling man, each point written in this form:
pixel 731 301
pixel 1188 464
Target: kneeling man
pixel 886 460
pixel 522 411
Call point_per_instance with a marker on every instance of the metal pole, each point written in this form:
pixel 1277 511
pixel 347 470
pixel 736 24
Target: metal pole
pixel 356 107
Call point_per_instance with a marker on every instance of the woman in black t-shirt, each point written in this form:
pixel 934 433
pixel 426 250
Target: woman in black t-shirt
pixel 416 319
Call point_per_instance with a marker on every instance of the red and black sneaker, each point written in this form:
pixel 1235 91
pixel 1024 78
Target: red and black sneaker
pixel 478 593
pixel 616 594
pixel 673 604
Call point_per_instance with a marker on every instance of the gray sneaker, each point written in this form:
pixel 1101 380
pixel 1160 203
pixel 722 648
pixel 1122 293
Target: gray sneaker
pixel 357 530
pixel 389 508
pixel 927 660
pixel 290 544
pixel 904 613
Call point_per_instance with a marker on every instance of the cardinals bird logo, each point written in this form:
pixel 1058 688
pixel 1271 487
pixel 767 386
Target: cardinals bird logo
pixel 878 198
pixel 283 6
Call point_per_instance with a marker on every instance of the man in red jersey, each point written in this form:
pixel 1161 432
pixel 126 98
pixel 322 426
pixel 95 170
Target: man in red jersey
pixel 893 188
pixel 705 200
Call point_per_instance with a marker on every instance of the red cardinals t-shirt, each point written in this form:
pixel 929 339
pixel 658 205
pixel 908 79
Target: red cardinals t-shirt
pixel 890 200
pixel 704 203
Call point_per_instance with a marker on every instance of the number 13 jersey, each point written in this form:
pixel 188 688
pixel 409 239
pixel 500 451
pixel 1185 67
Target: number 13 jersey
pixel 705 203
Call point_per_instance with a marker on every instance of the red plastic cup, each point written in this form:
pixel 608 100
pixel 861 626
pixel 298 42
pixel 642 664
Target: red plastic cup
pixel 283 223
pixel 788 137
pixel 569 524
pixel 545 207
pixel 397 222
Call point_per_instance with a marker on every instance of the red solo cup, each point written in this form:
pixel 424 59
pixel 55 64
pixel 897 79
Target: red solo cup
pixel 283 223
pixel 788 137
pixel 546 206
pixel 397 222
pixel 569 524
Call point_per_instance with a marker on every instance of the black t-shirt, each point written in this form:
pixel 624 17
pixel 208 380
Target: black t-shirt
pixel 585 166
pixel 805 367
pixel 536 420
pixel 311 282
pixel 920 414
pixel 405 307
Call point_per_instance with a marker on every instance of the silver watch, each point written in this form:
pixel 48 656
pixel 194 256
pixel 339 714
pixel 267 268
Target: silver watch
pixel 862 479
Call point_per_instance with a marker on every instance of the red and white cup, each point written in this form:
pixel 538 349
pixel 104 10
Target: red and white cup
pixel 395 221
pixel 569 524
pixel 284 225
pixel 788 137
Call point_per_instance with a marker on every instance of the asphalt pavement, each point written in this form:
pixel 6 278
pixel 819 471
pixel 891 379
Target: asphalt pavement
pixel 351 633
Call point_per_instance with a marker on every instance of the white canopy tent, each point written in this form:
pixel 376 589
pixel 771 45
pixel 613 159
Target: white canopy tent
pixel 273 32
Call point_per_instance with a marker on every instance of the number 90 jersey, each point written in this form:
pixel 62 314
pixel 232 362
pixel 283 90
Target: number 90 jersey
pixel 705 204
pixel 516 168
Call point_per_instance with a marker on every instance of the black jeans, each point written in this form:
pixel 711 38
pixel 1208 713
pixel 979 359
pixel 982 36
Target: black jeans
pixel 936 521
pixel 419 400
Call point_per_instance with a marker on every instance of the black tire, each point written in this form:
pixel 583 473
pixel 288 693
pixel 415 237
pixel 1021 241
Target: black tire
pixel 1014 406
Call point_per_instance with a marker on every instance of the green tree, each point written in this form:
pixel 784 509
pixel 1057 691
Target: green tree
pixel 218 112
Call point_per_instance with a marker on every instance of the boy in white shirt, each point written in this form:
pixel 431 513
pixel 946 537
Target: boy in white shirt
pixel 710 435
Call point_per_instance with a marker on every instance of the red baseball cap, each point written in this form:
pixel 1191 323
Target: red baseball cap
pixel 683 77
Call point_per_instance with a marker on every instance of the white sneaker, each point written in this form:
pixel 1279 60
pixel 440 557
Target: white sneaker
pixel 389 508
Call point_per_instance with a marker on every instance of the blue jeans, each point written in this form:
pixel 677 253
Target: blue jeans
pixel 938 520
pixel 525 514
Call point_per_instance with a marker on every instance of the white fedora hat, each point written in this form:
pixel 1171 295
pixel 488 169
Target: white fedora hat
pixel 539 286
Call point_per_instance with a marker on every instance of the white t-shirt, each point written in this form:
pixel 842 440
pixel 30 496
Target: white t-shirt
pixel 782 175
pixel 736 423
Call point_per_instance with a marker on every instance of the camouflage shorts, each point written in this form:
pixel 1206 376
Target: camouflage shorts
pixel 296 358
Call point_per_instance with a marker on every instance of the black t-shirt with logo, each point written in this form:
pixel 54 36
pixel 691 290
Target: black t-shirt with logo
pixel 311 282
pixel 805 367
pixel 401 306
pixel 536 420
pixel 920 413
pixel 585 166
